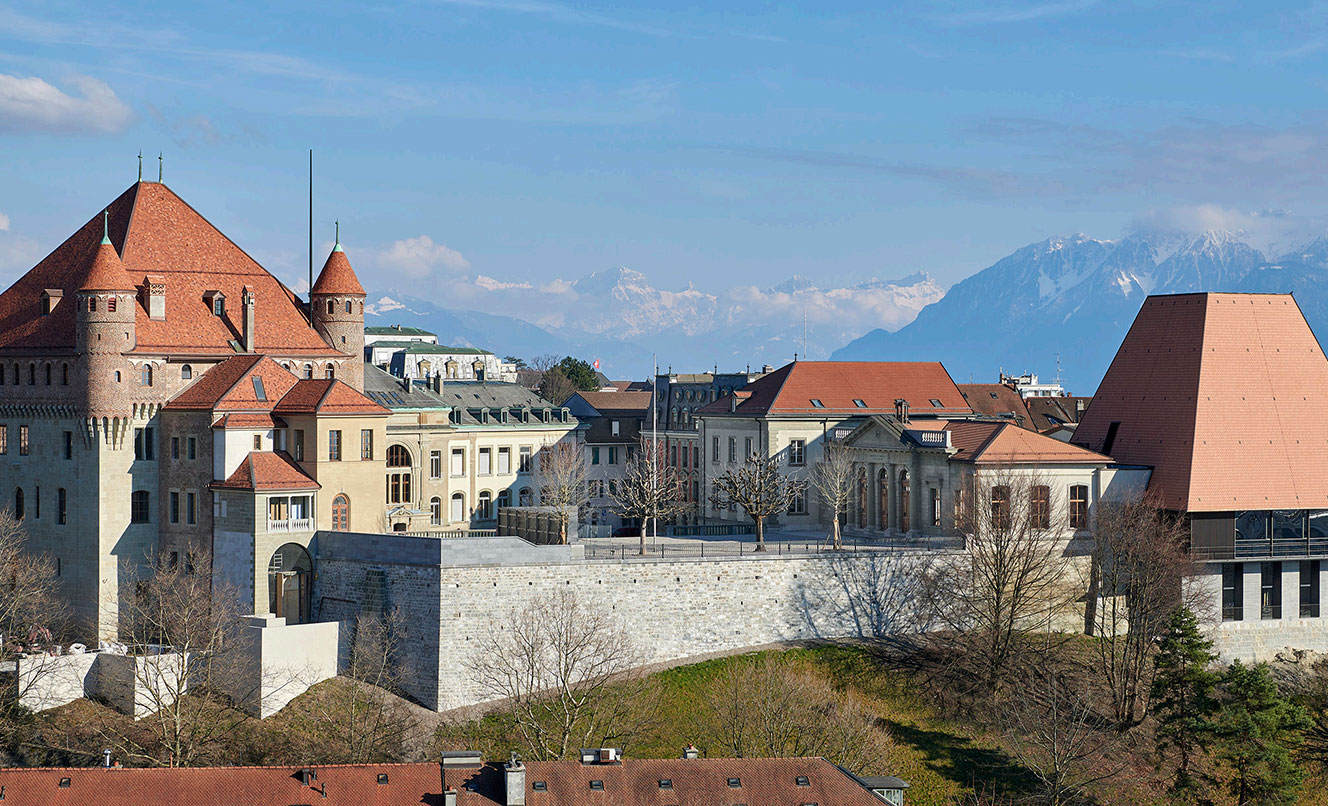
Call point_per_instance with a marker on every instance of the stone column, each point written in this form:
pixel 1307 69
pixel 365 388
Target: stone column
pixel 1252 577
pixel 1290 589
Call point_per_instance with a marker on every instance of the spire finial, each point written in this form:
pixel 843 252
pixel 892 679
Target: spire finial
pixel 337 247
pixel 140 165
pixel 105 226
pixel 160 165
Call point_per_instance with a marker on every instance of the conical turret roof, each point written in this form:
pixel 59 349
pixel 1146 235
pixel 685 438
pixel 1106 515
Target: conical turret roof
pixel 337 277
pixel 105 270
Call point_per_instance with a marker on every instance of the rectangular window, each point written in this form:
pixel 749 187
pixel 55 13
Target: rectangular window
pixel 435 464
pixel 175 507
pixel 714 450
pixel 733 449
pixel 191 507
pixel 798 503
pixel 673 455
pixel 23 440
pixel 594 455
pixel 797 452
pixel 62 507
pixel 139 507
pixel 613 427
pixel 458 462
pixel 258 442
pixel 366 443
pixel 524 457
pixel 613 455
pixel 747 448
pixel 143 444
pixel 69 445
pixel 1233 592
pixel 1309 588
pixel 504 460
pixel 1000 507
pixel 1078 506
pixel 935 506
pixel 1270 590
pixel 299 445
pixel 486 461
pixel 4 439
pixel 175 447
pixel 191 448
pixel 1040 506
pixel 334 446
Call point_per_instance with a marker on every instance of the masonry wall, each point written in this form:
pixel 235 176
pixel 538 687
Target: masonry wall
pixel 1253 637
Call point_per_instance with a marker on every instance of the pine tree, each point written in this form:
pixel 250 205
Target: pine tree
pixel 1255 730
pixel 1183 698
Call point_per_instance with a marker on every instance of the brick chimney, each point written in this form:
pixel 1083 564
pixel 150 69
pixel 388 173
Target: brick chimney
pixel 515 776
pixel 247 305
pixel 154 292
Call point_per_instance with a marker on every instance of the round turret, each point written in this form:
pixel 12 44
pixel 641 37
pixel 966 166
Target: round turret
pixel 337 311
pixel 104 329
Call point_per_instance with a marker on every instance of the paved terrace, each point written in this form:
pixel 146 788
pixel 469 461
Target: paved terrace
pixel 778 542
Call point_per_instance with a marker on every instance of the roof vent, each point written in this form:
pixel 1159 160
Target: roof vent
pixel 690 751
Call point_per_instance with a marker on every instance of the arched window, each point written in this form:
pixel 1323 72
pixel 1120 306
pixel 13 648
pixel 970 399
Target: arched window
pixel 308 371
pixel 862 499
pixel 186 372
pixel 147 375
pixel 903 501
pixel 48 374
pixel 18 503
pixel 64 375
pixel 484 507
pixel 883 504
pixel 331 306
pixel 504 499
pixel 398 456
pixel 458 512
pixel 329 372
pixel 435 511
pixel 117 376
pixel 348 309
pixel 341 514
pixel 525 497
pixel 290 583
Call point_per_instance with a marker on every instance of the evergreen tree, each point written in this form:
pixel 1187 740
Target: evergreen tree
pixel 1183 698
pixel 581 373
pixel 1255 730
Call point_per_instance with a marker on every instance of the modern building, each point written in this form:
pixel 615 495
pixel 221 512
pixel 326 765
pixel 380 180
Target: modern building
pixel 138 305
pixel 1225 397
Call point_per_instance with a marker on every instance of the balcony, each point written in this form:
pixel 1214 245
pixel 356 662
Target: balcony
pixel 291 525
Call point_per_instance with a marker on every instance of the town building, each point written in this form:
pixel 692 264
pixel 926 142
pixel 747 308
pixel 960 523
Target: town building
pixel 614 427
pixel 1224 396
pixel 410 352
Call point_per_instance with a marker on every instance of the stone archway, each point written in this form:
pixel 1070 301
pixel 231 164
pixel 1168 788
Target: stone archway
pixel 290 575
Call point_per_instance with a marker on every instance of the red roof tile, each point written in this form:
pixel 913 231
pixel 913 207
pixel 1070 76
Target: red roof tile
pixel 229 386
pixel 156 233
pixel 337 277
pixel 264 470
pixel 248 420
pixel 836 385
pixel 326 396
pixel 105 271
pixel 1224 396
pixel 1008 444
pixel 997 400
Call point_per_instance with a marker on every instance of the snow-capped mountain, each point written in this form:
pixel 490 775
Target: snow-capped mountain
pixel 1074 297
pixel 618 316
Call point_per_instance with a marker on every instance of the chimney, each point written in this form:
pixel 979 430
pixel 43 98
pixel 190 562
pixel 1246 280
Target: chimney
pixel 106 755
pixel 247 304
pixel 437 383
pixel 516 782
pixel 901 411
pixel 690 751
pixel 478 367
pixel 154 289
pixel 449 797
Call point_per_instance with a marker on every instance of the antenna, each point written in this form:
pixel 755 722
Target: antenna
pixel 140 165
pixel 311 235
pixel 161 162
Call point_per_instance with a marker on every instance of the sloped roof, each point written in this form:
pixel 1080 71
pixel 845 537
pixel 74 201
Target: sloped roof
pixel 105 271
pixel 632 386
pixel 996 400
pixel 1049 413
pixel 248 420
pixel 837 384
pixel 156 233
pixel 997 443
pixel 337 277
pixel 397 330
pixel 635 402
pixel 1225 396
pixel 325 396
pixel 266 470
pixel 229 386
pixel 566 783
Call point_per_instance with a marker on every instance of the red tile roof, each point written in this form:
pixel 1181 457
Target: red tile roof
pixel 337 277
pixel 1008 444
pixel 229 386
pixel 1225 396
pixel 997 400
pixel 105 271
pixel 567 783
pixel 248 420
pixel 156 233
pixel 838 384
pixel 265 470
pixel 326 396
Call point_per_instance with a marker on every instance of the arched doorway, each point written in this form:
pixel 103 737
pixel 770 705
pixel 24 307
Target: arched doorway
pixel 904 500
pixel 862 499
pixel 341 513
pixel 290 583
pixel 883 503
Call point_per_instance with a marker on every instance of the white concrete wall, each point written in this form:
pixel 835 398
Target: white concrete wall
pixel 52 681
pixel 276 662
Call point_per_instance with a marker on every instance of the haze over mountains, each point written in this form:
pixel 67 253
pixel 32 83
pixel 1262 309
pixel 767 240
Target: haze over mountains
pixel 1076 296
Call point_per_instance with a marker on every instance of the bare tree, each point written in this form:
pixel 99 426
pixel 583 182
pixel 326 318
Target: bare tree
pixel 833 480
pixel 33 616
pixel 1014 579
pixel 562 480
pixel 183 647
pixel 563 669
pixel 1140 559
pixel 759 489
pixel 650 489
pixel 1052 730
pixel 363 719
pixel 765 706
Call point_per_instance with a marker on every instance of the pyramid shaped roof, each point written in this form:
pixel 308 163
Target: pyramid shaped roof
pixel 1225 396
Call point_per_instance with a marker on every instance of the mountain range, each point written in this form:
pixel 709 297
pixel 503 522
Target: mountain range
pixel 1064 304
pixel 620 318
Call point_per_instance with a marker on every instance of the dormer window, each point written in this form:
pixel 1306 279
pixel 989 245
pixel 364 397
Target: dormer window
pixel 817 404
pixel 217 301
pixel 859 403
pixel 50 298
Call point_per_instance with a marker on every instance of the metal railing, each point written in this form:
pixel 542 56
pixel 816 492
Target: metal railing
pixel 449 534
pixel 709 529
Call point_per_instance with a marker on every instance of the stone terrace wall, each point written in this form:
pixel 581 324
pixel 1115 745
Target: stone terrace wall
pixel 676 609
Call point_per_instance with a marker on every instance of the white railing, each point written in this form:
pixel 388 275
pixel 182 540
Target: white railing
pixel 291 525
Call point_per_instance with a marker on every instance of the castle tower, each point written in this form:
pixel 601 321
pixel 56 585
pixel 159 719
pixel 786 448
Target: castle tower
pixel 103 334
pixel 337 310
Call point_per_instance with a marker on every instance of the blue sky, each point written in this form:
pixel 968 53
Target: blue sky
pixel 718 144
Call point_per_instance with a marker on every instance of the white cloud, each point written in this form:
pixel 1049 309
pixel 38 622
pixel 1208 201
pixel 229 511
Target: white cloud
pixel 420 257
pixel 1270 231
pixel 492 284
pixel 4 223
pixel 31 104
